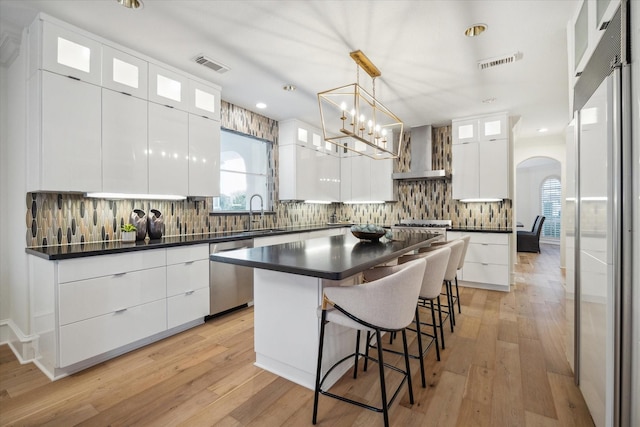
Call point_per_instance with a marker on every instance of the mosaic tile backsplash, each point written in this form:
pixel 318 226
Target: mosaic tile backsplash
pixel 56 219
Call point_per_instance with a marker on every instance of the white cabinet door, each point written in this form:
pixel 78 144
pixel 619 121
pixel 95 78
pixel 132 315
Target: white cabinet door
pixel 168 150
pixel 464 131
pixel 71 54
pixel 94 297
pixel 167 87
pixel 82 340
pixel 328 185
pixel 187 277
pixel 494 169
pixel 345 179
pixel 465 170
pixel 124 73
pixel 188 306
pixel 124 143
pixel 360 178
pixel 307 173
pixel 203 100
pixel 381 181
pixel 493 127
pixel 204 156
pixel 70 134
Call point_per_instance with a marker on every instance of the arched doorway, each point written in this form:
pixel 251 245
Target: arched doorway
pixel 539 192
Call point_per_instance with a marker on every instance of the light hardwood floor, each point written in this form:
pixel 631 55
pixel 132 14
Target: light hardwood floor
pixel 503 366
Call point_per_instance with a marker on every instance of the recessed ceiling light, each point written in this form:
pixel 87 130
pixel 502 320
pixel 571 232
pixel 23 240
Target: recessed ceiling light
pixel 289 88
pixel 488 100
pixel 261 105
pixel 131 4
pixel 542 130
pixel 475 30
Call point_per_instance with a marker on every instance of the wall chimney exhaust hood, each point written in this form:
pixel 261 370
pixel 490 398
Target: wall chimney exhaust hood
pixel 420 166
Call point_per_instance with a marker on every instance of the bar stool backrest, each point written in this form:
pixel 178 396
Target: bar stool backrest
pixel 389 302
pixel 466 240
pixel 437 262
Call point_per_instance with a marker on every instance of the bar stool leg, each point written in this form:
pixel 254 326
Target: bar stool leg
pixel 383 388
pixel 435 333
pixel 355 361
pixel 424 383
pixel 406 361
pixel 458 295
pixel 441 325
pixel 319 367
pixel 450 308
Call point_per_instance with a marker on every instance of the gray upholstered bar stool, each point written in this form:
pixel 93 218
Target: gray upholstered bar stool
pixel 457 247
pixel 466 240
pixel 437 262
pixel 384 305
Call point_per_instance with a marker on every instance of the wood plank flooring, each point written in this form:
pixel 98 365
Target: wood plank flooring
pixel 503 366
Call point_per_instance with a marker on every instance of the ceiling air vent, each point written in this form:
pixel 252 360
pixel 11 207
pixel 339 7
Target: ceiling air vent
pixel 210 63
pixel 499 60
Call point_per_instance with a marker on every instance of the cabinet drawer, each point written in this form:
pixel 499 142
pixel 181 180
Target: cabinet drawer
pixel 83 340
pixel 187 253
pixel 490 238
pixel 187 306
pixel 106 265
pixel 491 273
pixel 487 254
pixel 187 277
pixel 94 297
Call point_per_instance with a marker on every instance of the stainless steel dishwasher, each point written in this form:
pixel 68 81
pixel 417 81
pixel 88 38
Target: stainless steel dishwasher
pixel 230 285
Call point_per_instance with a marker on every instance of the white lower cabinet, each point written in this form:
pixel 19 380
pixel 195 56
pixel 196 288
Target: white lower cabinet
pixel 187 284
pixel 487 260
pixel 106 305
pixel 82 340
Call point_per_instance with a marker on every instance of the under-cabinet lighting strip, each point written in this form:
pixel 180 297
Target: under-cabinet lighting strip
pixel 134 196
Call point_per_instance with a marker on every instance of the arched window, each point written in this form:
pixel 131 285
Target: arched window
pixel 550 197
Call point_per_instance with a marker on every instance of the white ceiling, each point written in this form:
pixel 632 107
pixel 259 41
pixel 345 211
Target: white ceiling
pixel 429 68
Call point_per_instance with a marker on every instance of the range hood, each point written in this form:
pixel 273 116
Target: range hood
pixel 420 166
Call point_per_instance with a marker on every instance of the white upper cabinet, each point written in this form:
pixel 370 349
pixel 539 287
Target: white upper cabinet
pixel 124 73
pixel 102 112
pixel 168 150
pixel 492 127
pixel 481 164
pixel 464 131
pixel 167 87
pixel 204 156
pixel 203 100
pixel 64 134
pixel 124 143
pixel 66 52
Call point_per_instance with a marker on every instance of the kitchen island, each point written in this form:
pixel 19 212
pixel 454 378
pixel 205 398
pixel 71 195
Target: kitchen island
pixel 288 284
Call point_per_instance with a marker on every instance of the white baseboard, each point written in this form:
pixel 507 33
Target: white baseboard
pixel 23 346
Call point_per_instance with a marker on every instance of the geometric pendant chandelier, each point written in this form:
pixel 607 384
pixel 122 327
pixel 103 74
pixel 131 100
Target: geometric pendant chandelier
pixel 353 119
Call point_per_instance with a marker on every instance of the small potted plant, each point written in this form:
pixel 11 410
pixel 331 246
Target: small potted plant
pixel 128 233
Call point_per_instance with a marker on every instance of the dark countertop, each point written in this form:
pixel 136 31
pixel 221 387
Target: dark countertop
pixel 482 229
pixel 333 258
pixel 60 252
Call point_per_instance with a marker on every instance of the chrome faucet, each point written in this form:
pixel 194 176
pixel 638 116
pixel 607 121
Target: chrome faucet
pixel 251 208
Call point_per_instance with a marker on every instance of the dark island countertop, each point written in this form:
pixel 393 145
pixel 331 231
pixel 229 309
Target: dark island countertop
pixel 482 229
pixel 333 258
pixel 79 250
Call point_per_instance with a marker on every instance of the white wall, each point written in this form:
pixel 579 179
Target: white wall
pixel 552 146
pixel 14 288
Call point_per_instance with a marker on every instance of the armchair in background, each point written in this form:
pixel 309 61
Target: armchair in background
pixel 529 241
